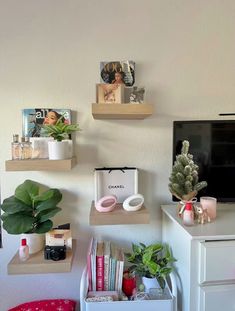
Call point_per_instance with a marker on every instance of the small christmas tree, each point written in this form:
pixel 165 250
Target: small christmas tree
pixel 184 183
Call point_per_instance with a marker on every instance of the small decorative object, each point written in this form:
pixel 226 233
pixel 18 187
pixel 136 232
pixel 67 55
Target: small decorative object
pixel 106 203
pixel 23 250
pixel 109 93
pixel 202 215
pixel 58 149
pixel 184 183
pixel 133 203
pixel 128 283
pixel 152 262
pixel 188 214
pixel 29 210
pixel 209 204
pixel 121 72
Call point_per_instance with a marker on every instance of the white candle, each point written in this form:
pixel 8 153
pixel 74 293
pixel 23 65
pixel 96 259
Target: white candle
pixel 209 203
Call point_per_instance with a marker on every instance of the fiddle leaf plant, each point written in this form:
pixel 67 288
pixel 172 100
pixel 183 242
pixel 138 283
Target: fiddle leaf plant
pixel 152 261
pixel 60 130
pixel 29 210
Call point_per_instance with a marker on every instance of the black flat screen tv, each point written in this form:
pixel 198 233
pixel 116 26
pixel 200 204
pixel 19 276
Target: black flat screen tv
pixel 212 144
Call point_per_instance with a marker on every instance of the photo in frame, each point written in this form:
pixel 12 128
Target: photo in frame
pixel 109 93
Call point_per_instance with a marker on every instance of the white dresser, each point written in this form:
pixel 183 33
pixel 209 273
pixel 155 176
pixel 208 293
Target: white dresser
pixel 205 259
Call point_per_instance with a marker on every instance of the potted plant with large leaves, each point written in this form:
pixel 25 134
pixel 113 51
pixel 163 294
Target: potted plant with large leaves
pixel 61 132
pixel 153 263
pixel 29 210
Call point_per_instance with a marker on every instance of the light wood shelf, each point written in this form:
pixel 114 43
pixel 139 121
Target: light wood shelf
pixel 37 264
pixel 40 165
pixel 118 216
pixel 121 111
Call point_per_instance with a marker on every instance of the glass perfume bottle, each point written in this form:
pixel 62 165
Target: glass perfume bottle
pixel 15 148
pixel 26 148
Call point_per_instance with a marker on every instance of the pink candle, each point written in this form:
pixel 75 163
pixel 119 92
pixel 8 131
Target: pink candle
pixel 209 203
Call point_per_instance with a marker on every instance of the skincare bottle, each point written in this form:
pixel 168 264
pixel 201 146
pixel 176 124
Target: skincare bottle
pixel 15 148
pixel 188 215
pixel 23 250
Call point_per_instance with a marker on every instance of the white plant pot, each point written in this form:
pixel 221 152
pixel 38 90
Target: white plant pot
pixel 150 283
pixel 58 150
pixel 35 241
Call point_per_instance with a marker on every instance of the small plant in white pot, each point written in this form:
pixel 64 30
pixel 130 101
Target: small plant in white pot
pixel 58 148
pixel 28 212
pixel 153 263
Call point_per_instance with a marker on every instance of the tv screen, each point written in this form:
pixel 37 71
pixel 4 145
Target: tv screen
pixel 212 144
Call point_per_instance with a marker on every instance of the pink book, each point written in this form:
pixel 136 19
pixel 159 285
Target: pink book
pixel 100 267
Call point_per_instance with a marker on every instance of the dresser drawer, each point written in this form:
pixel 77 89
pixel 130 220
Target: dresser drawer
pixel 217 298
pixel 217 261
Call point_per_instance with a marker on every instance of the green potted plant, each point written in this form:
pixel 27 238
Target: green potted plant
pixel 152 262
pixel 58 148
pixel 29 210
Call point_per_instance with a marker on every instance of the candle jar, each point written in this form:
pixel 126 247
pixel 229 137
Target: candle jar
pixel 209 203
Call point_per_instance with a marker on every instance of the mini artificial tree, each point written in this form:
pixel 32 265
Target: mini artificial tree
pixel 184 183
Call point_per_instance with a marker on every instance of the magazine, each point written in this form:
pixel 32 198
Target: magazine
pixel 122 72
pixel 34 118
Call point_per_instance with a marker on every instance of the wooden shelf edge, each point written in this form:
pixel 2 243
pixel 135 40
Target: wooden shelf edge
pixel 36 264
pixel 118 216
pixel 40 165
pixel 121 111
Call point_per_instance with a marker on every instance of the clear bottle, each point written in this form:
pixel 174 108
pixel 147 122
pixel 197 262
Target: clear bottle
pixel 26 148
pixel 15 148
pixel 23 250
pixel 188 215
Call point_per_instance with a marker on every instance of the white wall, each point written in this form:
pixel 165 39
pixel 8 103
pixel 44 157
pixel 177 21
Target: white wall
pixel 49 57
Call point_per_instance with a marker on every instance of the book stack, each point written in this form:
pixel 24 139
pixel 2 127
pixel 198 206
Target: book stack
pixel 105 264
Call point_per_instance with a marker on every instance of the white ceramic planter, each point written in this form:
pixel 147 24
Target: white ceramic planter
pixel 35 241
pixel 150 283
pixel 58 150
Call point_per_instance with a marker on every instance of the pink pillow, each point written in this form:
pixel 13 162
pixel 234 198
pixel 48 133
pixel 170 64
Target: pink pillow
pixel 47 305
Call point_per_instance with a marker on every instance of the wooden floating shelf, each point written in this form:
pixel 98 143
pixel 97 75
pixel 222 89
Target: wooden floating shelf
pixel 37 264
pixel 121 111
pixel 40 165
pixel 118 216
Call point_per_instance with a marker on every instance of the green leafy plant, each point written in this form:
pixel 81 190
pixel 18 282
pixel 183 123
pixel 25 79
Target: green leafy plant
pixel 60 130
pixel 152 261
pixel 184 183
pixel 29 210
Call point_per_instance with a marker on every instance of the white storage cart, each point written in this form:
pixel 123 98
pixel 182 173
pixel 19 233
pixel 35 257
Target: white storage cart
pixel 137 305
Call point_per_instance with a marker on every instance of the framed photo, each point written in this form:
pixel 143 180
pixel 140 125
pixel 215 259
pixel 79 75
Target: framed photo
pixel 134 95
pixel 109 93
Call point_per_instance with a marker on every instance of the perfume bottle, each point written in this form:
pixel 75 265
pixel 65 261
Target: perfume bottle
pixel 23 250
pixel 15 148
pixel 26 148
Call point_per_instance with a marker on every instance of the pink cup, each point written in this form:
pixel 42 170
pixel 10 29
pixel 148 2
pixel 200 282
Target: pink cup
pixel 209 203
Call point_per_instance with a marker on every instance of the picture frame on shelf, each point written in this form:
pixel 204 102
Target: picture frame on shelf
pixel 134 95
pixel 109 93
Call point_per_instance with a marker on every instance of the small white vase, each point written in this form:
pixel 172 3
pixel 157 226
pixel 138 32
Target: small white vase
pixel 149 283
pixel 35 241
pixel 58 150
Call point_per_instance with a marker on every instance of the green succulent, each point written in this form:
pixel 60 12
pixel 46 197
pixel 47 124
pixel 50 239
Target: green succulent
pixel 152 261
pixel 29 210
pixel 60 130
